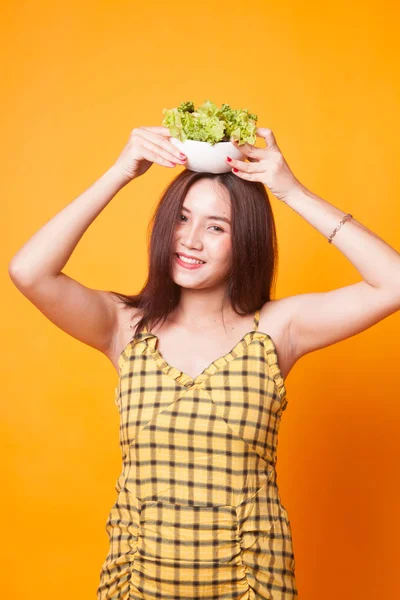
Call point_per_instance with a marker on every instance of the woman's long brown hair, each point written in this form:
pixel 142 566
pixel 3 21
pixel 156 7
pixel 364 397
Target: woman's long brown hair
pixel 254 249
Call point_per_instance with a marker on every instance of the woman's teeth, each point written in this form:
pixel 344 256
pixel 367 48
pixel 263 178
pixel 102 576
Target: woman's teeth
pixel 190 260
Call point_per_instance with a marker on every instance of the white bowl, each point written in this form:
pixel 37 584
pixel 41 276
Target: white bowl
pixel 203 157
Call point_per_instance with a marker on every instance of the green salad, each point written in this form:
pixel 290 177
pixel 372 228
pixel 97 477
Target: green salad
pixel 210 124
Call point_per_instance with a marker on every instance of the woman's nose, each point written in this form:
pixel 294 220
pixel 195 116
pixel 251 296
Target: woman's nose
pixel 193 237
pixel 192 243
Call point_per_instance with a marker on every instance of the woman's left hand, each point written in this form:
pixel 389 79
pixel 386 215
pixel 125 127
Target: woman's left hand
pixel 266 165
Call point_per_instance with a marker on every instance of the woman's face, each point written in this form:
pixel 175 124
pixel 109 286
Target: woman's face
pixel 203 231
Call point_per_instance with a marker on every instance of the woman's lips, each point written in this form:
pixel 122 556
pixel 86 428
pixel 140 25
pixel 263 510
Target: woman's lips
pixel 190 266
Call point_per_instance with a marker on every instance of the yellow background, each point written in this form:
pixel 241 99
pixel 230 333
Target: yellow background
pixel 79 76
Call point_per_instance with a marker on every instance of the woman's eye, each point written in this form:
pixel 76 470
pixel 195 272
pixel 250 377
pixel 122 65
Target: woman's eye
pixel 182 217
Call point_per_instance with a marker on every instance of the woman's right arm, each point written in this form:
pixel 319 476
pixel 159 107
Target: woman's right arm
pixel 36 270
pixel 89 315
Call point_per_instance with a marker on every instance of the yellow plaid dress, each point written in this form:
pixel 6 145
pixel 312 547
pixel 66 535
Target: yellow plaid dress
pixel 198 512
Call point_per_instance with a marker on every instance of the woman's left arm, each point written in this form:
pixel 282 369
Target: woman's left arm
pixel 321 319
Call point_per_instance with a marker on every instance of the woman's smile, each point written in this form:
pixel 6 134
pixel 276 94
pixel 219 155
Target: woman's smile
pixel 188 263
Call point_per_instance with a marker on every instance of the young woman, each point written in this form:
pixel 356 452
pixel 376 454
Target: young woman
pixel 202 354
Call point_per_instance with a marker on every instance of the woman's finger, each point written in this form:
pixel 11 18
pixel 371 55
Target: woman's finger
pixel 268 136
pixel 158 140
pixel 250 151
pixel 244 167
pixel 159 129
pixel 159 151
pixel 155 157
pixel 247 176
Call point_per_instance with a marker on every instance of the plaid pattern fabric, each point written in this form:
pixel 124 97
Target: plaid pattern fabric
pixel 198 512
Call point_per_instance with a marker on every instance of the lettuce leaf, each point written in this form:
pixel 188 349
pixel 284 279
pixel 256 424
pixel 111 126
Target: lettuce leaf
pixel 210 123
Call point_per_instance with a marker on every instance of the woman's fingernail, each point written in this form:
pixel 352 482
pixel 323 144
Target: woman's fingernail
pixel 228 158
pixel 182 155
pixel 235 170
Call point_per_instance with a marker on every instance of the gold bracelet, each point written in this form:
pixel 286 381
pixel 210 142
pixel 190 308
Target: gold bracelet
pixel 345 218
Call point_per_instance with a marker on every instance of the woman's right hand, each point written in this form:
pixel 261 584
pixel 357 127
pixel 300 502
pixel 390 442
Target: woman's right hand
pixel 147 145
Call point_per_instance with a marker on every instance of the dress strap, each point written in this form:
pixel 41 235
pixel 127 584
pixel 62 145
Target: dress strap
pixel 256 319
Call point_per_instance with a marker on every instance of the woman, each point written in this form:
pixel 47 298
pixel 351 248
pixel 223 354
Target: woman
pixel 202 354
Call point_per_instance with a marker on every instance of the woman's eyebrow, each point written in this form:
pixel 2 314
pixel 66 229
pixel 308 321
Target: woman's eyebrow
pixel 215 217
